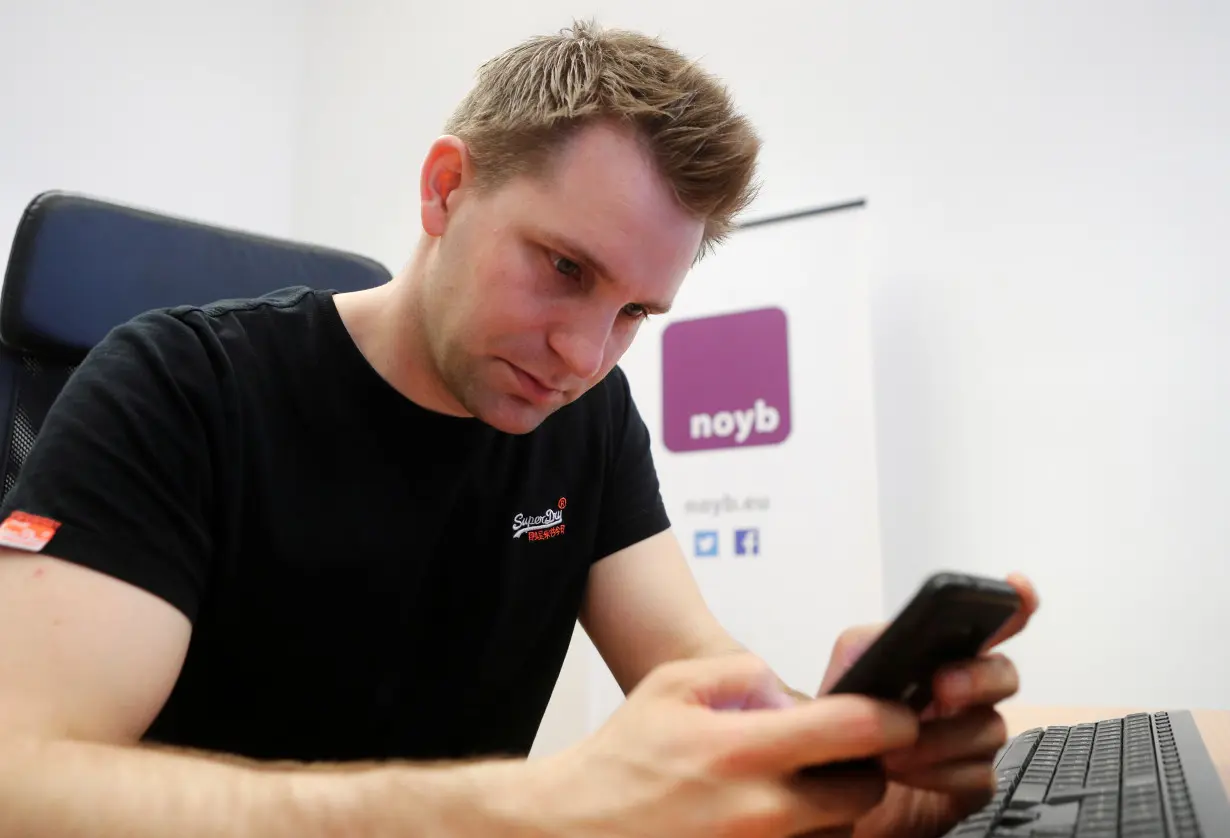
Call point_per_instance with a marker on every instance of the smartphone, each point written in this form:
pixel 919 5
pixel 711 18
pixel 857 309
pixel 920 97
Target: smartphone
pixel 949 619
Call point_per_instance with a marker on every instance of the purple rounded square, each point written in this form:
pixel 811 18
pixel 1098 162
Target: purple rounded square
pixel 726 381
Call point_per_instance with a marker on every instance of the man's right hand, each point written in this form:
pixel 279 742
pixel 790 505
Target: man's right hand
pixel 714 746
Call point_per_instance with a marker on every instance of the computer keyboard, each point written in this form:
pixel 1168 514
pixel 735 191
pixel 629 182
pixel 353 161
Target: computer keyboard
pixel 1145 775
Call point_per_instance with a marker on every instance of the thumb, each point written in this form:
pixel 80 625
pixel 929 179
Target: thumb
pixel 848 648
pixel 727 682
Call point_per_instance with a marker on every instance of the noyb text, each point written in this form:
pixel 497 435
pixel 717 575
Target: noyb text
pixel 760 418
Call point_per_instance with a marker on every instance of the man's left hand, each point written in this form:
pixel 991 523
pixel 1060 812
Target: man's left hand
pixel 949 772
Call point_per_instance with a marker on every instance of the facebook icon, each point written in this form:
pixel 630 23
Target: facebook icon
pixel 747 542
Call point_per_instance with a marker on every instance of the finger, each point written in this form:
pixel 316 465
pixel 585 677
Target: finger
pixel 1017 622
pixel 822 806
pixel 829 729
pixel 849 647
pixel 801 807
pixel 972 782
pixel 986 680
pixel 974 735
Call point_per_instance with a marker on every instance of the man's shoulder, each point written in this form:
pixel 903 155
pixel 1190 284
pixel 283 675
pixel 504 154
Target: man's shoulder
pixel 284 303
pixel 201 347
pixel 217 328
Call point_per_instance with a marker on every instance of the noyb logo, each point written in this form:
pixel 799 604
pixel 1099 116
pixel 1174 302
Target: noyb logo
pixel 726 381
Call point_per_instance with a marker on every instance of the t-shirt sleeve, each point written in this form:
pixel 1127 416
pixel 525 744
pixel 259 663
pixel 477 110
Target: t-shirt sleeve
pixel 632 507
pixel 123 461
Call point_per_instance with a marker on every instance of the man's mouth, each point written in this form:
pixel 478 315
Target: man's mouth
pixel 533 387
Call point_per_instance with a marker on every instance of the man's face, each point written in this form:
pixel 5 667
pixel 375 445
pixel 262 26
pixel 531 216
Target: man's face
pixel 535 290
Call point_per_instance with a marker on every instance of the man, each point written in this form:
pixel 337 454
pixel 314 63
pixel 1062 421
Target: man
pixel 315 560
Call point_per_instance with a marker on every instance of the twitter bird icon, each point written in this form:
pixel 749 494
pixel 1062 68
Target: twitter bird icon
pixel 706 543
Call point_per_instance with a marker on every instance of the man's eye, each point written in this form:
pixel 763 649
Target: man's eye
pixel 567 267
pixel 635 311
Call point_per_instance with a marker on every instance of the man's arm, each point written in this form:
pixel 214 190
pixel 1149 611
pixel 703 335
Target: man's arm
pixel 643 608
pixel 86 662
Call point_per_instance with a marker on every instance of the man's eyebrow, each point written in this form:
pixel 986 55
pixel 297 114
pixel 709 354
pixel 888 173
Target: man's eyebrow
pixel 577 252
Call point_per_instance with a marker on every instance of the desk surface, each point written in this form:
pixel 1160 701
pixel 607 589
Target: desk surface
pixel 1214 725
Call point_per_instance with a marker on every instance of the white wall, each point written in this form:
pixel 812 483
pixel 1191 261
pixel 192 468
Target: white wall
pixel 190 108
pixel 1051 195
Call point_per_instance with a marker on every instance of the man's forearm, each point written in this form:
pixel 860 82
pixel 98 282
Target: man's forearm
pixel 63 788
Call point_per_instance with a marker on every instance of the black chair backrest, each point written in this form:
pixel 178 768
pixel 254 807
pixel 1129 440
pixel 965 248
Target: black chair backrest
pixel 80 266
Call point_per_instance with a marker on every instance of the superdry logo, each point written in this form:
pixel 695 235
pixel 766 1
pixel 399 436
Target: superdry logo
pixel 540 526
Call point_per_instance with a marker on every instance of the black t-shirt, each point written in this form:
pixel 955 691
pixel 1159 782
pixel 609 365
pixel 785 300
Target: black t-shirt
pixel 366 578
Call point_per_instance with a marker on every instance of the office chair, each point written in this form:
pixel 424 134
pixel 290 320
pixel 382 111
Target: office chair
pixel 80 266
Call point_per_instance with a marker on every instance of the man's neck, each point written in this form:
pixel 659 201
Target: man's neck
pixel 384 323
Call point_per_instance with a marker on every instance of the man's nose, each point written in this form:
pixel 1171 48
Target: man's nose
pixel 581 342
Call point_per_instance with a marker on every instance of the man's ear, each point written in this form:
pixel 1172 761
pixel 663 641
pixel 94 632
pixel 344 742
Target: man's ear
pixel 446 168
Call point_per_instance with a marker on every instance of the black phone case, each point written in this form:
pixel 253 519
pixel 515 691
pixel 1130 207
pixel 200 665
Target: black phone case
pixel 949 619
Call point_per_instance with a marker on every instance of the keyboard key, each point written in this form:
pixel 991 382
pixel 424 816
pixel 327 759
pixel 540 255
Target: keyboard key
pixel 1027 794
pixel 1015 817
pixel 1016 755
pixel 1066 795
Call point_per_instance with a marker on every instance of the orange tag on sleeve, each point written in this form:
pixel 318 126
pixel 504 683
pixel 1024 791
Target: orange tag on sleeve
pixel 24 531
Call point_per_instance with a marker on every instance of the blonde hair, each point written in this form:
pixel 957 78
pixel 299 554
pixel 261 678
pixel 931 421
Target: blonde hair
pixel 531 98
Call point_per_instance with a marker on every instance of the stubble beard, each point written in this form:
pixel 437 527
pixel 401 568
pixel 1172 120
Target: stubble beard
pixel 466 378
